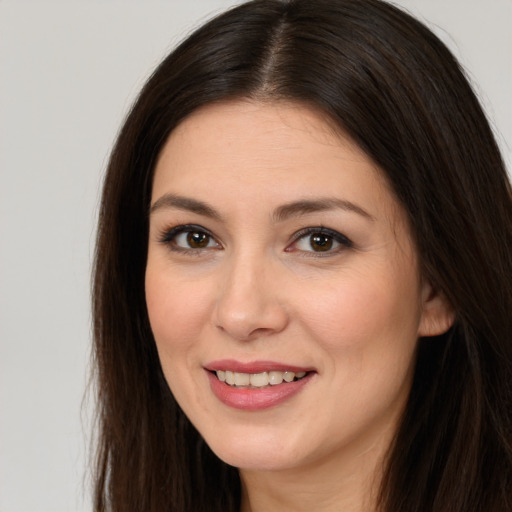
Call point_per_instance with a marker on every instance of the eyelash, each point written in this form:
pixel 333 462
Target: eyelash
pixel 169 236
pixel 342 240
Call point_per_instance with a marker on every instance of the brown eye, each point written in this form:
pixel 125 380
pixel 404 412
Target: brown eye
pixel 182 238
pixel 320 242
pixel 197 239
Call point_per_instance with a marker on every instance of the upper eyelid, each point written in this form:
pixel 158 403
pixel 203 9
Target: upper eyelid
pixel 340 237
pixel 169 234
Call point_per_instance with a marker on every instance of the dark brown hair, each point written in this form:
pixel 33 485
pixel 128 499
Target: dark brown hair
pixel 388 82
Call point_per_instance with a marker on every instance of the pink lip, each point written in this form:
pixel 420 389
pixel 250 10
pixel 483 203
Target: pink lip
pixel 255 399
pixel 254 367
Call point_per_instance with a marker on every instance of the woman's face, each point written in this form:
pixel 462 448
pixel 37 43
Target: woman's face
pixel 278 253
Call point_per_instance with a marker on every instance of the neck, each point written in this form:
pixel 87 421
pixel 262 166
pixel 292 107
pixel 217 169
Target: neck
pixel 346 481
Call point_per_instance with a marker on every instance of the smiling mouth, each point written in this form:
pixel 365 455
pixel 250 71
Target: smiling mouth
pixel 258 380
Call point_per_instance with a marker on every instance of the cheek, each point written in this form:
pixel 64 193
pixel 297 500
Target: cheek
pixel 367 332
pixel 368 310
pixel 177 309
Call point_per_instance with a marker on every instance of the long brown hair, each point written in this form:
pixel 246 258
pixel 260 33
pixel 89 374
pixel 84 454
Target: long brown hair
pixel 389 83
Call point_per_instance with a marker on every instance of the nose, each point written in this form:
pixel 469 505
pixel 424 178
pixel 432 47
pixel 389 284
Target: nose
pixel 248 305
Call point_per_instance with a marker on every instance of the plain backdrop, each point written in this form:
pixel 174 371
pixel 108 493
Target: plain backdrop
pixel 68 72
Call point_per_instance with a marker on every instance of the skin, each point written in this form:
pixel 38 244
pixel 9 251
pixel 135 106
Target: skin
pixel 256 291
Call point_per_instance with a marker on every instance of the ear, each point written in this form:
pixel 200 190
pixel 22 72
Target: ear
pixel 437 314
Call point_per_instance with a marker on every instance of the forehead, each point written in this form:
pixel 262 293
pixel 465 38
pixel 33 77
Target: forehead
pixel 279 151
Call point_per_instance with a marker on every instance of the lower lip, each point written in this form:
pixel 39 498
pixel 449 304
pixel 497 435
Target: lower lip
pixel 252 399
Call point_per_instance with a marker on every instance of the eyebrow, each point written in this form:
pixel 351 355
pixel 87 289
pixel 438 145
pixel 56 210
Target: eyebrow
pixel 185 203
pixel 280 214
pixel 322 204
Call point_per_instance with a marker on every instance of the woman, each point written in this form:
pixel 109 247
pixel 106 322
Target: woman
pixel 303 280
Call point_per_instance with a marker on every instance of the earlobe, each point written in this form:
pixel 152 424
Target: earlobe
pixel 437 314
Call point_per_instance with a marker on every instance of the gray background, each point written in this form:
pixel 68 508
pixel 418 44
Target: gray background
pixel 68 73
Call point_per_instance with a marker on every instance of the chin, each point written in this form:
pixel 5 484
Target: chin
pixel 255 460
pixel 251 452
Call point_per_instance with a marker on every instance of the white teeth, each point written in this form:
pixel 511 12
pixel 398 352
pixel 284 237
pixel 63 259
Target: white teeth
pixel 257 380
pixel 242 379
pixel 288 376
pixel 275 378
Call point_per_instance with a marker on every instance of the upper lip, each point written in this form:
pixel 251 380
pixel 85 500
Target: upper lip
pixel 254 366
